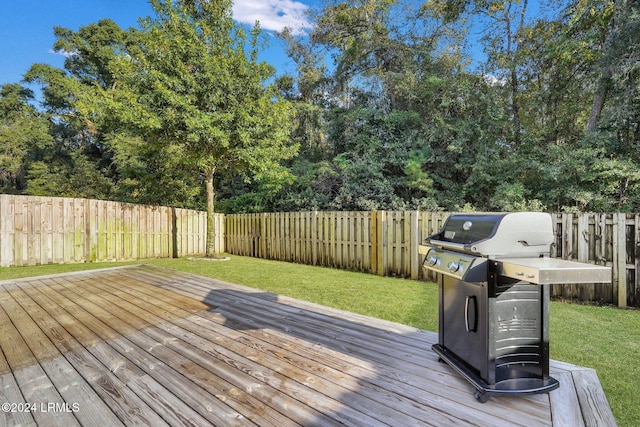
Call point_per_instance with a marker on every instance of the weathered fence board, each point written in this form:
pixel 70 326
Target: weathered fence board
pixel 55 230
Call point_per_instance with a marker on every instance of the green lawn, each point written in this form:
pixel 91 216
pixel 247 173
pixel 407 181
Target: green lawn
pixel 604 338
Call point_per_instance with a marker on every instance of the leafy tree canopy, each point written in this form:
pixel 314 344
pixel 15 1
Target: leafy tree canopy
pixel 381 108
pixel 190 84
pixel 24 135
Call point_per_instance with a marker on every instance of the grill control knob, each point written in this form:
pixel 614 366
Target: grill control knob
pixel 432 260
pixel 453 266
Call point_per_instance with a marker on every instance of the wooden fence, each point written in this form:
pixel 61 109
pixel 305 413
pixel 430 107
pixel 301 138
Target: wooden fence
pixel 385 243
pixel 54 230
pixel 47 230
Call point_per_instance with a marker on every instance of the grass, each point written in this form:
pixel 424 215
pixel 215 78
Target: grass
pixel 604 338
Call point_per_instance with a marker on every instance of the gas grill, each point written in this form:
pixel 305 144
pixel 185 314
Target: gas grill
pixel 494 271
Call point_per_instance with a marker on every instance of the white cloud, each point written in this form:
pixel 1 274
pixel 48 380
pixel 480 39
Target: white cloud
pixel 493 80
pixel 272 14
pixel 64 53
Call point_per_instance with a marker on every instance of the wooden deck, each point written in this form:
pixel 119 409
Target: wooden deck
pixel 145 345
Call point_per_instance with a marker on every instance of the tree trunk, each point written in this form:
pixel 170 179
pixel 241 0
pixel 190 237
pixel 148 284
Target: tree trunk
pixel 605 82
pixel 513 46
pixel 599 99
pixel 211 231
pixel 515 105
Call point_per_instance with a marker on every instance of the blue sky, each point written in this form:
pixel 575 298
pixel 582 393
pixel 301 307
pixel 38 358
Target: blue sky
pixel 26 26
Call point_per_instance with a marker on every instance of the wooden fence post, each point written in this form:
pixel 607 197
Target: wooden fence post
pixel 382 243
pixel 587 290
pixel 373 238
pixel 414 242
pixel 619 254
pixel 568 252
pixel 314 238
pixel 87 230
pixel 6 230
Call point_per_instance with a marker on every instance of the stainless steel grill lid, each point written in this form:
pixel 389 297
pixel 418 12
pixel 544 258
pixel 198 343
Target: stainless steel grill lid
pixel 513 242
pixel 504 235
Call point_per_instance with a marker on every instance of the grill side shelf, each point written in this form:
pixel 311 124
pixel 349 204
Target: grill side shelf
pixel 551 271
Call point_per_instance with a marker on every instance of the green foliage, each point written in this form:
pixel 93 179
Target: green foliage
pixel 376 150
pixel 77 177
pixel 188 82
pixel 24 137
pixel 382 106
pixel 152 174
pixel 189 85
pixel 79 162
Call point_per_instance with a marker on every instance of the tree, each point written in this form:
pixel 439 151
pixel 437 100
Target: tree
pixel 100 158
pixel 78 164
pixel 611 30
pixel 505 22
pixel 192 85
pixel 594 48
pixel 24 135
pixel 360 31
pixel 380 161
pixel 307 92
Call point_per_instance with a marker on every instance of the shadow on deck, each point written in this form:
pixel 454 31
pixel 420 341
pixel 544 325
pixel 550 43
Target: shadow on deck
pixel 155 346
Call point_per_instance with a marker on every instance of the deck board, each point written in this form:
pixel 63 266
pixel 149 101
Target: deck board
pixel 146 345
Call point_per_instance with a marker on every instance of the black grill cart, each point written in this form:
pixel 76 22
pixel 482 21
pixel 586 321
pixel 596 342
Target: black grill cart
pixel 493 276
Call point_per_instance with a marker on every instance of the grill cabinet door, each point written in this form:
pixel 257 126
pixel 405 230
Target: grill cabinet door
pixel 463 320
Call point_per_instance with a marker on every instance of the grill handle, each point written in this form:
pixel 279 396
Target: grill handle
pixel 449 245
pixel 475 313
